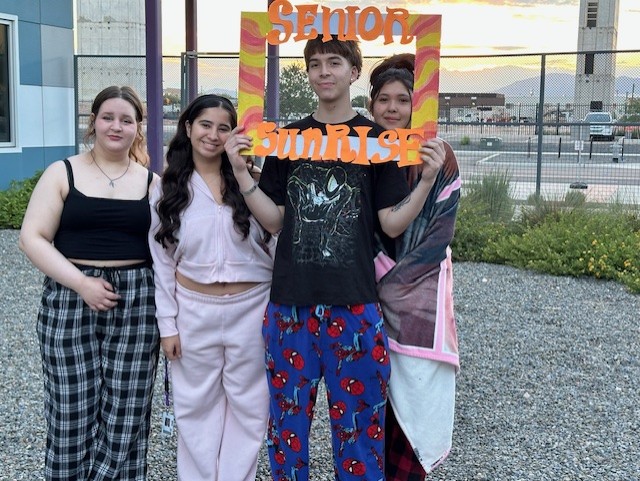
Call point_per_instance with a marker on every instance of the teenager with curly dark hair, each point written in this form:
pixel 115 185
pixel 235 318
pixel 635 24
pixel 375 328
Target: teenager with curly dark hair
pixel 213 266
pixel 416 295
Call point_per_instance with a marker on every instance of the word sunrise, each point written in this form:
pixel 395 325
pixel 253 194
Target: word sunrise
pixel 336 144
pixel 352 23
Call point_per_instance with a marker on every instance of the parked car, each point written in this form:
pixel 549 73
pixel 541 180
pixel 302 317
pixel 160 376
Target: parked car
pixel 468 118
pixel 600 125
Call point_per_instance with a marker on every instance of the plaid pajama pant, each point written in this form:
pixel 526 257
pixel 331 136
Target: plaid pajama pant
pixel 401 463
pixel 99 369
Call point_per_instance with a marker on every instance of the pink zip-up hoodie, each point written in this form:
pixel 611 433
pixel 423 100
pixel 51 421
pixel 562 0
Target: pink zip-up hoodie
pixel 209 250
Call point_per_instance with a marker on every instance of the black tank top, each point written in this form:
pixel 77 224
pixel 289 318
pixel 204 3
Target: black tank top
pixel 96 228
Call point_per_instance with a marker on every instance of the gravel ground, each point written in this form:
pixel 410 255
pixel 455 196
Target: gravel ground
pixel 549 387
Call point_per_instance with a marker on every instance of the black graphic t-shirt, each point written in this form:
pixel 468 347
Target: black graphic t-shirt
pixel 325 250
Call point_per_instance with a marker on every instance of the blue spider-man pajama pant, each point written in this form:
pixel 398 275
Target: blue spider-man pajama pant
pixel 347 345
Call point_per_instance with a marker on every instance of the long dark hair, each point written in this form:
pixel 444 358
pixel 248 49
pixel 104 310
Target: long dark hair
pixel 175 179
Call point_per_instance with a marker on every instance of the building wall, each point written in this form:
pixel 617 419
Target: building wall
pixel 599 85
pixel 44 86
pixel 110 27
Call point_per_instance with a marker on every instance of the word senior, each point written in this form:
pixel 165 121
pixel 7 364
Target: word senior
pixel 368 24
pixel 336 144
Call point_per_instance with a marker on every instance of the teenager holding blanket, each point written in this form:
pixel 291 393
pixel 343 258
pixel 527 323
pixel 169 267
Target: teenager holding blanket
pixel 417 301
pixel 323 319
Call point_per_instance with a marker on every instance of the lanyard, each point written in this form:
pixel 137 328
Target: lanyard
pixel 167 417
pixel 167 398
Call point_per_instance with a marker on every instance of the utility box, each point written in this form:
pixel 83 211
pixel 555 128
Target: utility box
pixel 491 143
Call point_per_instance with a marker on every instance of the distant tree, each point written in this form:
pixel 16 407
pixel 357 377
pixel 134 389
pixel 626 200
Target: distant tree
pixel 360 101
pixel 632 109
pixel 297 99
pixel 170 98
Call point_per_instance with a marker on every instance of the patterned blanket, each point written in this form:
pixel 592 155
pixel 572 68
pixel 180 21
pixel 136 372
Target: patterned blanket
pixel 416 293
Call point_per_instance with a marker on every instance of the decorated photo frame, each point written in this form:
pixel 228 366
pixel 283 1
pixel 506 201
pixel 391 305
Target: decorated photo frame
pixel 280 23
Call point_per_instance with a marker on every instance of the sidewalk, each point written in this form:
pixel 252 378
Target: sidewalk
pixel 599 193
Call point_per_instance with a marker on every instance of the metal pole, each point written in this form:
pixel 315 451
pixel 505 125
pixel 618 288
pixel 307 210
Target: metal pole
pixel 191 43
pixel 559 146
pixel 273 78
pixel 153 18
pixel 76 112
pixel 539 123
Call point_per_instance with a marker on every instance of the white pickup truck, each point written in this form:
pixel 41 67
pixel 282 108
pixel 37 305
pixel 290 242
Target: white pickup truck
pixel 600 125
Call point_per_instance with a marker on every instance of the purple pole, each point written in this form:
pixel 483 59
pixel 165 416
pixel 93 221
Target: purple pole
pixel 153 19
pixel 273 88
pixel 191 19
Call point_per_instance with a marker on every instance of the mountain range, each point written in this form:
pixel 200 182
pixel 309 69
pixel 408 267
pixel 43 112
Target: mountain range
pixel 522 82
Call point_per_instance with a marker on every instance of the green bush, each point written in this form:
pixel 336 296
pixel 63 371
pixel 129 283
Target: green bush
pixel 474 231
pixel 465 140
pixel 555 236
pixel 575 199
pixel 538 209
pixel 14 200
pixel 577 242
pixel 492 194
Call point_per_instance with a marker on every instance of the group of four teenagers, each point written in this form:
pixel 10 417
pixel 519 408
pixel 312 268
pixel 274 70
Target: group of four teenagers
pixel 230 270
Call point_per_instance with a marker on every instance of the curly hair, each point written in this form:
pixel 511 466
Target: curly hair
pixel 138 149
pixel 176 195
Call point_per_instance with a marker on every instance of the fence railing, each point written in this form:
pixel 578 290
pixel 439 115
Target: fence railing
pixel 537 129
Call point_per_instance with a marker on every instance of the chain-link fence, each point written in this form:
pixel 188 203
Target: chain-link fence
pixel 529 115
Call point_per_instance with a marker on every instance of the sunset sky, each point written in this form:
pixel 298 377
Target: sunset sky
pixel 468 26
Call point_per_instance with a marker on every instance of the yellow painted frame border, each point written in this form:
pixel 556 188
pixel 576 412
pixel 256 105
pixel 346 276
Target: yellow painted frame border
pixel 254 27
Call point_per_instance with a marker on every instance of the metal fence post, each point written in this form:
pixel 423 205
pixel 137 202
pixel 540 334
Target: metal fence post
pixel 540 123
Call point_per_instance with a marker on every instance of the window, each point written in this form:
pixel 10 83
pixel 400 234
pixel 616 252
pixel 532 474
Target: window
pixel 588 63
pixel 592 13
pixel 7 82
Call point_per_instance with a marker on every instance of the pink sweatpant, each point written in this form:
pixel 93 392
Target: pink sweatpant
pixel 220 393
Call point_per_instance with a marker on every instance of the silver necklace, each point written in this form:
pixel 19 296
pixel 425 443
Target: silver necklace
pixel 111 181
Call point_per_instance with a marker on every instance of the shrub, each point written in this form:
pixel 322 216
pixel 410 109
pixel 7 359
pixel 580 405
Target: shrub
pixel 14 200
pixel 575 199
pixel 575 242
pixel 538 209
pixel 474 231
pixel 492 193
pixel 465 140
pixel 556 236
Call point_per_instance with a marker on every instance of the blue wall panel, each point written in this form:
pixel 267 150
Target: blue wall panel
pixel 27 10
pixel 18 166
pixel 58 13
pixel 55 17
pixel 30 53
pixel 51 154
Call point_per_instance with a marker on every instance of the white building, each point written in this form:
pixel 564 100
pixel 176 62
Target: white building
pixel 110 28
pixel 596 72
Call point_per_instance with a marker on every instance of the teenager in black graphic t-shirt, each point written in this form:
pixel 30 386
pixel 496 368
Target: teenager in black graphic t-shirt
pixel 325 251
pixel 323 319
